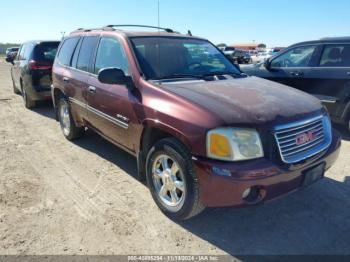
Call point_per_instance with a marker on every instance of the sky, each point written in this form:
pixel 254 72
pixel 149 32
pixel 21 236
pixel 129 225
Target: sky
pixel 273 22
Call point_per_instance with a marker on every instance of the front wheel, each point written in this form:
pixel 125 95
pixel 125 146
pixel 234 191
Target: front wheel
pixel 68 126
pixel 172 180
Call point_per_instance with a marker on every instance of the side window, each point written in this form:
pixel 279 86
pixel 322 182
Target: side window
pixel 66 51
pixel 76 54
pixel 297 57
pixel 21 53
pixel 336 56
pixel 110 53
pixel 28 50
pixel 86 52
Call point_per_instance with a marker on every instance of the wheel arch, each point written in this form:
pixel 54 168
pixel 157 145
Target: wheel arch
pixel 56 94
pixel 152 132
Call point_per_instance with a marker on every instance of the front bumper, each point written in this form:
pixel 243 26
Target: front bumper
pixel 222 184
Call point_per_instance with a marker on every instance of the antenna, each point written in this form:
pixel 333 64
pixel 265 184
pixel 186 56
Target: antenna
pixel 158 14
pixel 63 33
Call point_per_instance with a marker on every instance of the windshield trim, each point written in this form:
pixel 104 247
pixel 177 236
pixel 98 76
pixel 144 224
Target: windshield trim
pixel 133 48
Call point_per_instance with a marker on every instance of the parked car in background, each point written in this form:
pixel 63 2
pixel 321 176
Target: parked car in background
pixel 31 70
pixel 237 56
pixel 320 68
pixel 262 57
pixel 242 57
pixel 11 52
pixel 203 133
pixel 228 51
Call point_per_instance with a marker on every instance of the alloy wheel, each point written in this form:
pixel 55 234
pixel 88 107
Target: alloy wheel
pixel 169 182
pixel 65 118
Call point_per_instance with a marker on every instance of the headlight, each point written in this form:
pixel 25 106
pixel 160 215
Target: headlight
pixel 234 144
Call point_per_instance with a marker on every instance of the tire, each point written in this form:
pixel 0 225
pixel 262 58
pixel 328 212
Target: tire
pixel 29 103
pixel 68 126
pixel 171 181
pixel 15 90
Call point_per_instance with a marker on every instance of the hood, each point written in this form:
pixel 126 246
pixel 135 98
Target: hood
pixel 246 100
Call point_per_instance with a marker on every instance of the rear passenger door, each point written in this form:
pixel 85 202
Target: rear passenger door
pixel 65 76
pixel 110 107
pixel 330 78
pixel 82 69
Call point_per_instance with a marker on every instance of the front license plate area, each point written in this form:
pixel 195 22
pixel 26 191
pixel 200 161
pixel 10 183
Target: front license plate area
pixel 313 175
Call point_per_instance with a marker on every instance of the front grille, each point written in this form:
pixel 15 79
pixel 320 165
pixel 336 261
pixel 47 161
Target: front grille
pixel 301 140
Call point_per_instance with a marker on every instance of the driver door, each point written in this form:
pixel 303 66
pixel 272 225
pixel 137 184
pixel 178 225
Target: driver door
pixel 292 67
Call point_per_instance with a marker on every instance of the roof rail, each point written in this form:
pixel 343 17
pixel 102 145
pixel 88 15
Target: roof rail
pixel 168 30
pixel 91 29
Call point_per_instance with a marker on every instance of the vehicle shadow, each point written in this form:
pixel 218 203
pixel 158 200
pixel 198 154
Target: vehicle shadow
pixel 106 150
pixel 313 221
pixel 44 108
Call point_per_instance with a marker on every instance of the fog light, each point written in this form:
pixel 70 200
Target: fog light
pixel 246 193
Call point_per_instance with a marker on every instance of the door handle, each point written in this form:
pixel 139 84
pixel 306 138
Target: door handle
pixel 66 80
pixel 348 73
pixel 297 74
pixel 92 89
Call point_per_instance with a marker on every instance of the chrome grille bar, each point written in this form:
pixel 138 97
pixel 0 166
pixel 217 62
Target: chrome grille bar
pixel 318 133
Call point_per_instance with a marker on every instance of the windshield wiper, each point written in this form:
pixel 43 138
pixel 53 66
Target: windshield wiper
pixel 221 73
pixel 203 76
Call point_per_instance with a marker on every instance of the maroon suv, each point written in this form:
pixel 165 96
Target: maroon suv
pixel 203 133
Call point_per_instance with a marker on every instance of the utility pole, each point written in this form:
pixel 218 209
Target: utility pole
pixel 63 33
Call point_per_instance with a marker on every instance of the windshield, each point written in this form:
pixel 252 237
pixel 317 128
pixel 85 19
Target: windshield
pixel 167 57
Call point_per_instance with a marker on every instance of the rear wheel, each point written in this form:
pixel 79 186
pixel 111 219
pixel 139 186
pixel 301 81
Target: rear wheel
pixel 28 101
pixel 172 180
pixel 15 90
pixel 68 126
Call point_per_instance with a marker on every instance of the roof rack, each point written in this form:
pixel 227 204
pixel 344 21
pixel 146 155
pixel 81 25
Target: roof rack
pixel 168 30
pixel 91 29
pixel 115 27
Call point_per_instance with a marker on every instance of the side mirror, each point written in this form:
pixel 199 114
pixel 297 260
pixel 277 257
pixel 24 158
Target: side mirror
pixel 267 64
pixel 114 76
pixel 9 59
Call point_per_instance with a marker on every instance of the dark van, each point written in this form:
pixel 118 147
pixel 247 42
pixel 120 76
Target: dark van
pixel 31 71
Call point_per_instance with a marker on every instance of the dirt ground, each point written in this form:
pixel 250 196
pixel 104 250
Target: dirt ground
pixel 58 197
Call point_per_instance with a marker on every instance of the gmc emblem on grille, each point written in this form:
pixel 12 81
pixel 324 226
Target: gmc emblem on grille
pixel 305 138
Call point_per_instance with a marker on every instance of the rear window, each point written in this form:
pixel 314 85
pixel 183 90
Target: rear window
pixel 67 50
pixel 45 51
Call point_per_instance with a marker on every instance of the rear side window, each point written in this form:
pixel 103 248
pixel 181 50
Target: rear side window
pixel 86 52
pixel 336 56
pixel 28 51
pixel 110 53
pixel 66 51
pixel 45 51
